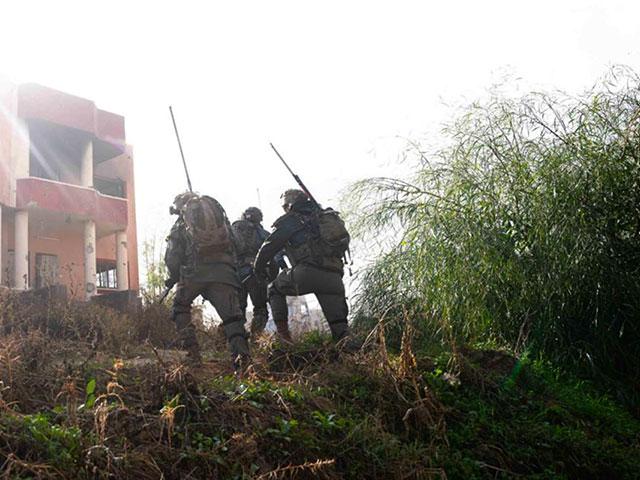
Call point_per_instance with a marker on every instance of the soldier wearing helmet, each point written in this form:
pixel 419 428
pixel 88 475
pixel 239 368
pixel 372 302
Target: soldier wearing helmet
pixel 313 270
pixel 209 272
pixel 180 201
pixel 248 235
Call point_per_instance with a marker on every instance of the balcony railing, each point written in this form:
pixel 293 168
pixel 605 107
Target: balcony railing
pixel 84 203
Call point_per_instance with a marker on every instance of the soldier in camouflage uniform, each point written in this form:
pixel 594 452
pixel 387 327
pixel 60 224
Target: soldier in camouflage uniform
pixel 249 235
pixel 215 278
pixel 312 271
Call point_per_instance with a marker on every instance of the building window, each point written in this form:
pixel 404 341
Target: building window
pixel 106 274
pixel 46 270
pixel 110 186
pixel 41 168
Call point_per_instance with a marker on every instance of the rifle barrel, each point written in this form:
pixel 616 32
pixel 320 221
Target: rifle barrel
pixel 296 177
pixel 184 163
pixel 282 159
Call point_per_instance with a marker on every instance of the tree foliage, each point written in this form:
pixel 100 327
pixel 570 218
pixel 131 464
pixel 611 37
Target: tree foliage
pixel 524 229
pixel 156 272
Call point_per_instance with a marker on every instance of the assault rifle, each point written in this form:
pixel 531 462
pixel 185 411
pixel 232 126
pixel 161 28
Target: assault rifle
pixel 165 293
pixel 303 187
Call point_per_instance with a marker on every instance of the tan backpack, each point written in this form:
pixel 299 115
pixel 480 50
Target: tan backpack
pixel 207 226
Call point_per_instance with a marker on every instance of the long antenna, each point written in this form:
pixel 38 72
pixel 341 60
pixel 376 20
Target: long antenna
pixel 259 199
pixel 296 178
pixel 181 152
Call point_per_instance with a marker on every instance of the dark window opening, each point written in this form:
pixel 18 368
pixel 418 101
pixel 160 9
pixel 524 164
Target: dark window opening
pixel 55 151
pixel 106 274
pixel 110 186
pixel 41 168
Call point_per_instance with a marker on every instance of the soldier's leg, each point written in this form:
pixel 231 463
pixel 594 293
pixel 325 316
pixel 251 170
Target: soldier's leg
pixel 335 310
pixel 283 286
pixel 181 314
pixel 242 298
pixel 258 293
pixel 329 290
pixel 224 299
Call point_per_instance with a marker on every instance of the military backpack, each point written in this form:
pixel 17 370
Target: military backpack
pixel 207 226
pixel 332 235
pixel 248 238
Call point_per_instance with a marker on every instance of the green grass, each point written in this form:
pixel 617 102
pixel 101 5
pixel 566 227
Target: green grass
pixel 361 417
pixel 543 425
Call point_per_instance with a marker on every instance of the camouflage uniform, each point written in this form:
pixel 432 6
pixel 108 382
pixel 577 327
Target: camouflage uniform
pixel 249 235
pixel 216 279
pixel 312 272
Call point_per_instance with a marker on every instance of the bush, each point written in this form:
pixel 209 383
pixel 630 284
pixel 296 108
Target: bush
pixel 524 230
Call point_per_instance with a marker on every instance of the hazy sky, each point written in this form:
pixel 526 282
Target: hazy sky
pixel 332 84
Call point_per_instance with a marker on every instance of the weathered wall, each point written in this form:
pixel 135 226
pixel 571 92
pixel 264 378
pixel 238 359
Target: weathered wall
pixel 122 167
pixel 7 112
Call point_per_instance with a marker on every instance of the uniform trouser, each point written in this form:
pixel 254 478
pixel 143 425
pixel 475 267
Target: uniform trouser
pixel 256 289
pixel 224 299
pixel 327 287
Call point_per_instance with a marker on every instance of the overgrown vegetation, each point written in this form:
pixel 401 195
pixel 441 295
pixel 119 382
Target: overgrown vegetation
pixel 523 231
pixel 155 273
pixel 77 409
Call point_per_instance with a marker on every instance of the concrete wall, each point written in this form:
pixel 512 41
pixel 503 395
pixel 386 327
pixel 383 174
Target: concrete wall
pixel 67 242
pixel 122 167
pixel 7 116
pixel 68 246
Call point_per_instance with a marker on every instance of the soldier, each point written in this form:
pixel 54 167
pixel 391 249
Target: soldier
pixel 200 259
pixel 316 268
pixel 249 235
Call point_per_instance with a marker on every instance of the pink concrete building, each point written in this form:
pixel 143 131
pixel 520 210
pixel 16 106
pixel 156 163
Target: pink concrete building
pixel 67 203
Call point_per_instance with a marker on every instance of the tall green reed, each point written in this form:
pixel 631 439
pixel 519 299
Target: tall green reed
pixel 523 230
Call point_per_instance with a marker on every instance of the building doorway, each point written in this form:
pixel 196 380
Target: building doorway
pixel 46 270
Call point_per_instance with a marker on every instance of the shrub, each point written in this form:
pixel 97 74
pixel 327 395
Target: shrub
pixel 523 230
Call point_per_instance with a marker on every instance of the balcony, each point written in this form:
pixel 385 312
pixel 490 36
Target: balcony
pixel 72 202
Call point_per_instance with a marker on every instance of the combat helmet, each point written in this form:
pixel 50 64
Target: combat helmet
pixel 252 214
pixel 180 201
pixel 291 196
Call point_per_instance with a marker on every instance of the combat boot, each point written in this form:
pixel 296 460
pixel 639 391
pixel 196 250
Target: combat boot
pixel 258 323
pixel 343 338
pixel 236 336
pixel 283 333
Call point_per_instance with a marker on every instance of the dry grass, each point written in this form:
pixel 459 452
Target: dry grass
pixel 125 408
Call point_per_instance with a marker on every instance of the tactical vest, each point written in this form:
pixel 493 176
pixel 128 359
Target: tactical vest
pixel 307 246
pixel 248 238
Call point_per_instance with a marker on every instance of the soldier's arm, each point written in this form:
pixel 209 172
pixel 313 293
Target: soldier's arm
pixel 275 243
pixel 174 254
pixel 278 259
